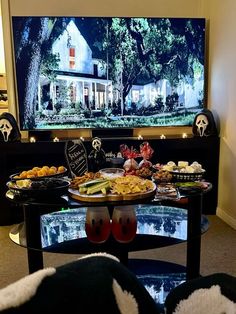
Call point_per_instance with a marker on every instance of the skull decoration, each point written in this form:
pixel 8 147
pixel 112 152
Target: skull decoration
pixel 201 123
pixel 5 128
pixel 204 124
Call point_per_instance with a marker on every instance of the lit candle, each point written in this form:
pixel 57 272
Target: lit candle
pixel 140 137
pixel 81 137
pixel 184 135
pixel 56 139
pixel 162 136
pixel 32 139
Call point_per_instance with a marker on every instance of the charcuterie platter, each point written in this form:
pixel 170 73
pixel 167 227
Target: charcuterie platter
pixel 126 188
pixel 99 197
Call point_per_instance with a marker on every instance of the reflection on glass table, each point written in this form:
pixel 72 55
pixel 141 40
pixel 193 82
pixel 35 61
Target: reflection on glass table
pixel 63 226
pixel 160 285
pixel 162 221
pixel 158 277
pixel 154 220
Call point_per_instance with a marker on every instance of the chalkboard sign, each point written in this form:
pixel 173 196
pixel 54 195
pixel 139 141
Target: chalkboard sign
pixel 76 157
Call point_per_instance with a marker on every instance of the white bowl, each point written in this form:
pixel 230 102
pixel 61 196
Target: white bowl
pixel 112 173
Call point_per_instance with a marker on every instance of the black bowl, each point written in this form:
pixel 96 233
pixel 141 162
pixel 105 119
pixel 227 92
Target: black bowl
pixel 186 177
pixel 45 188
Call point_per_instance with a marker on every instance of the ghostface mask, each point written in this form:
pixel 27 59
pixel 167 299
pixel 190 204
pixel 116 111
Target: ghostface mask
pixel 5 128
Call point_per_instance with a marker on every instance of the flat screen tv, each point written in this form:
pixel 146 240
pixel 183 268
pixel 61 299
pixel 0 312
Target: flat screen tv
pixel 108 72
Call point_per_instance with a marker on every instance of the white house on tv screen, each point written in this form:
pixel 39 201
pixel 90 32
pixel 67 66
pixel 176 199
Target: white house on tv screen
pixel 85 80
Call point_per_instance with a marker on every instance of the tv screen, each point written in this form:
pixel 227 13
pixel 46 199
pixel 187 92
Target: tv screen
pixel 108 72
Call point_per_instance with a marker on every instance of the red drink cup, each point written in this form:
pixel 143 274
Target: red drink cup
pixel 124 223
pixel 97 224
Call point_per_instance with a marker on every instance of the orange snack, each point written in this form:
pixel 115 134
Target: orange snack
pixel 53 168
pixel 61 169
pixel 30 176
pixel 51 171
pixel 36 168
pixel 42 173
pixel 45 168
pixel 23 174
pixel 30 173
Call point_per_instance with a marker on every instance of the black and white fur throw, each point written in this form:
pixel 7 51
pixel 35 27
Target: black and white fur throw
pixel 212 294
pixel 95 283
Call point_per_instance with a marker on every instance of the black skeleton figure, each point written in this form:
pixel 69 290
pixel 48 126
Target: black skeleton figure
pixel 97 156
pixel 9 130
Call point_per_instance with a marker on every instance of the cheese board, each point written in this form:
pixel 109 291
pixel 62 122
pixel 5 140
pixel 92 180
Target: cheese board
pixel 99 197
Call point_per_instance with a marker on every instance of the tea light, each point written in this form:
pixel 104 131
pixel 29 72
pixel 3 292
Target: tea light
pixel 81 137
pixel 56 139
pixel 32 139
pixel 184 135
pixel 140 137
pixel 162 137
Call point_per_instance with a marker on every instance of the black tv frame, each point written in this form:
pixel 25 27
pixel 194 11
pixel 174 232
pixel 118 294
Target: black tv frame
pixel 113 131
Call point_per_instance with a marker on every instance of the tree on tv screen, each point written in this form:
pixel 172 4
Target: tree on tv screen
pixel 136 50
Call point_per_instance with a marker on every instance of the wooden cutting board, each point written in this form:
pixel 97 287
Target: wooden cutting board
pixel 99 197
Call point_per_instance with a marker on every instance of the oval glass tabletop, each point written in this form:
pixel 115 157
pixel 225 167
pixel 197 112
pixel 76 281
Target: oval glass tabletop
pixel 64 231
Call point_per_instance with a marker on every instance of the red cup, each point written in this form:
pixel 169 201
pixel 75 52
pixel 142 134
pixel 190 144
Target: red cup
pixel 124 223
pixel 97 224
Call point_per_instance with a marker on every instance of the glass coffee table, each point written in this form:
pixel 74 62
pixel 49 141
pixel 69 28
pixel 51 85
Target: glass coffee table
pixel 58 226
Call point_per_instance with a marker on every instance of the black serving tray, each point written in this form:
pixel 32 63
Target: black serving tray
pixel 52 187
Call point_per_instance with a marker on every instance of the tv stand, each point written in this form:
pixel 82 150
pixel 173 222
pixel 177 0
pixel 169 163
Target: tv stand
pixel 41 135
pixel 111 133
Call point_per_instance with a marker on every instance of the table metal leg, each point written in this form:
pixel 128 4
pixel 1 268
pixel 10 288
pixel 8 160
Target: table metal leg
pixel 194 236
pixel 35 260
pixel 33 238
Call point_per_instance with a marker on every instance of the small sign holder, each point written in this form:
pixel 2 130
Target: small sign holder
pixel 76 157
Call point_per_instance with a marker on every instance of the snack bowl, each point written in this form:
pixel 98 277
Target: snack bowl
pixel 112 173
pixel 59 172
pixel 184 176
pixel 34 189
pixel 144 172
pixel 162 176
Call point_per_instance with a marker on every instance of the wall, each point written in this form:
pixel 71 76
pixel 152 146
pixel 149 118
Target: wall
pixel 222 97
pixel 2 59
pixel 3 104
pixel 169 8
pixel 106 8
pixel 3 87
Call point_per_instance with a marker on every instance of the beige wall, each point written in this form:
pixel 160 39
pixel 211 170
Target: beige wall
pixel 2 58
pixel 3 104
pixel 222 97
pixel 107 7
